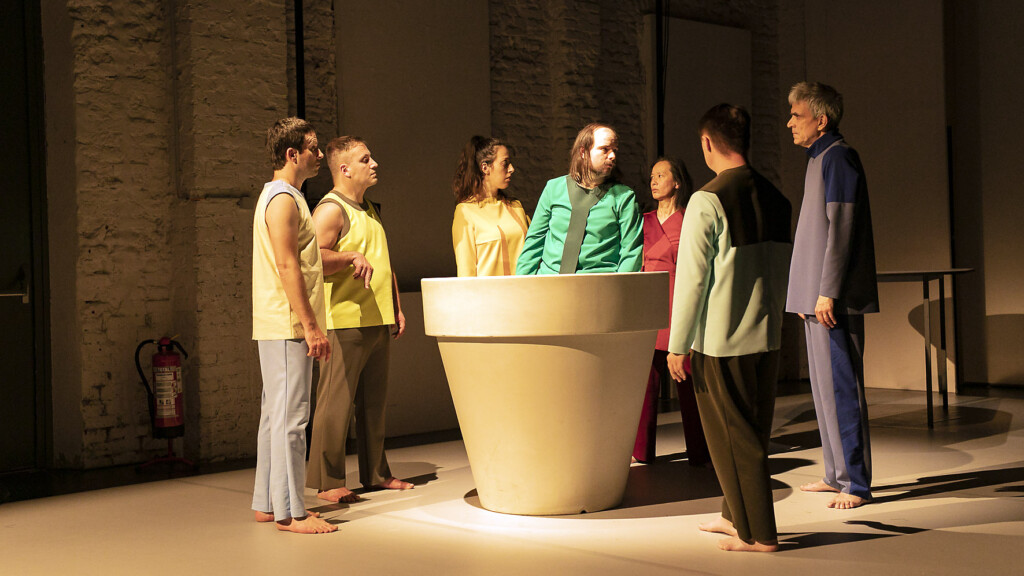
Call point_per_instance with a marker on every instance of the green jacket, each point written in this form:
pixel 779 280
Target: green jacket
pixel 612 242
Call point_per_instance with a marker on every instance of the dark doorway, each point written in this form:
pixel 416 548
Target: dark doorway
pixel 23 294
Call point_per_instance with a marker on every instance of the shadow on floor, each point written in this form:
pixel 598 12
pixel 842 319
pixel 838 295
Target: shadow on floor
pixel 789 542
pixel 44 483
pixel 670 480
pixel 988 483
pixel 325 507
pixel 960 423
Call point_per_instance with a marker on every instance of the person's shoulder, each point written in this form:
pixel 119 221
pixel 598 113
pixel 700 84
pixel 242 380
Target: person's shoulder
pixel 622 190
pixel 271 191
pixel 465 208
pixel 702 200
pixel 555 181
pixel 331 203
pixel 841 159
pixel 275 187
pixel 841 152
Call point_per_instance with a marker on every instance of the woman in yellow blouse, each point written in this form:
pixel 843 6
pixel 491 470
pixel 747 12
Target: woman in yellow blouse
pixel 489 226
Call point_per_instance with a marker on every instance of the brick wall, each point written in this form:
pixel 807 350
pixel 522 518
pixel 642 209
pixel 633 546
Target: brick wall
pixel 556 66
pixel 124 202
pixel 171 103
pixel 171 110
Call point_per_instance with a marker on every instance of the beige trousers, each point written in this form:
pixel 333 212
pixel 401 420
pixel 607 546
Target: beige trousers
pixel 353 382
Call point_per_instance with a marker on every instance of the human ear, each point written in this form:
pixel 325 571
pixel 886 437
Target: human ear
pixel 705 143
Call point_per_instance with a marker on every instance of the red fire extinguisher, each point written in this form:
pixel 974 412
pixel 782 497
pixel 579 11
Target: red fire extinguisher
pixel 166 411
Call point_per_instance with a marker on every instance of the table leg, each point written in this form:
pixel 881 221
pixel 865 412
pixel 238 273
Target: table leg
pixel 928 351
pixel 940 354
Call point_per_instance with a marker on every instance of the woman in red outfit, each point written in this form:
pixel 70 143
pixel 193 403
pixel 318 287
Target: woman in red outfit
pixel 671 186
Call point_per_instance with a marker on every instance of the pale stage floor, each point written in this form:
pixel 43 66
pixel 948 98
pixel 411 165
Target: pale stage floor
pixel 948 501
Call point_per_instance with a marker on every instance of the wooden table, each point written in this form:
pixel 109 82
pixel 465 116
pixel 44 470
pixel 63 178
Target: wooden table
pixel 925 277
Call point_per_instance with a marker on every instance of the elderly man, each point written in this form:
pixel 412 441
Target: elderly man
pixel 832 285
pixel 734 250
pixel 585 221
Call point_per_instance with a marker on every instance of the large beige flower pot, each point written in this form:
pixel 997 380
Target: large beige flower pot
pixel 548 375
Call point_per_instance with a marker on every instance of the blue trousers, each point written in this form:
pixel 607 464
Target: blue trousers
pixel 281 441
pixel 836 361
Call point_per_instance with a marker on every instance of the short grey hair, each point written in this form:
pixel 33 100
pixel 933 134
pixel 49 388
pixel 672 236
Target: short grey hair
pixel 821 99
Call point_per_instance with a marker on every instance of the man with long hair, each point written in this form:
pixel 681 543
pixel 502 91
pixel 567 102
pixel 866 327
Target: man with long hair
pixel 586 221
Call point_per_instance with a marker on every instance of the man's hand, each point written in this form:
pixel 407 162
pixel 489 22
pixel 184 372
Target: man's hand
pixel 362 269
pixel 823 311
pixel 319 347
pixel 675 366
pixel 399 328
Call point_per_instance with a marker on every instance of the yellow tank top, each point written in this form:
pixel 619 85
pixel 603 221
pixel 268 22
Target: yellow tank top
pixel 272 317
pixel 349 303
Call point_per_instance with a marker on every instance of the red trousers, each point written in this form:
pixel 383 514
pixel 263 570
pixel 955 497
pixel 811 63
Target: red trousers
pixel 696 445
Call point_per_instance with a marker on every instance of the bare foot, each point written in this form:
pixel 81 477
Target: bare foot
pixel 394 484
pixel 307 525
pixel 339 495
pixel 720 525
pixel 818 486
pixel 844 501
pixel 736 545
pixel 269 516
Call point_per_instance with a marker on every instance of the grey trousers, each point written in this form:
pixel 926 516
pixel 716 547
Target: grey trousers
pixel 281 440
pixel 353 382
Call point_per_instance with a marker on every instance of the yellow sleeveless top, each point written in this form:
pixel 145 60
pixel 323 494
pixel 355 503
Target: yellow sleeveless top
pixel 272 317
pixel 349 303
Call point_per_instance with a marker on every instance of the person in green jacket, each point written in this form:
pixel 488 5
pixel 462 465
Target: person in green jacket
pixel 586 221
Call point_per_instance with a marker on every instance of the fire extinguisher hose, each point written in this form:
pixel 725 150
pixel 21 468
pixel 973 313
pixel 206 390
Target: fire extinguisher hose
pixel 138 366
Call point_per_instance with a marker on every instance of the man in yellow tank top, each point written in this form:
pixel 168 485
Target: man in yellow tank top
pixel 288 314
pixel 363 313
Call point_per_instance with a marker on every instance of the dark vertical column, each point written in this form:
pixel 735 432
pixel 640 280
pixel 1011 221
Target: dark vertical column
pixel 949 57
pixel 300 65
pixel 659 65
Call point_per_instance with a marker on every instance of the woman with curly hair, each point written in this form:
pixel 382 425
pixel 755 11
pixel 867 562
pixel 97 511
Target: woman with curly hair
pixel 489 226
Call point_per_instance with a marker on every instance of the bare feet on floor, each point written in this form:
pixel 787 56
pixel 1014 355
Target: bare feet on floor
pixel 269 516
pixel 340 495
pixel 736 545
pixel 307 525
pixel 719 525
pixel 844 501
pixel 394 484
pixel 818 486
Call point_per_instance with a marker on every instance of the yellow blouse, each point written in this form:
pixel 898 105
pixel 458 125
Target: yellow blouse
pixel 488 237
